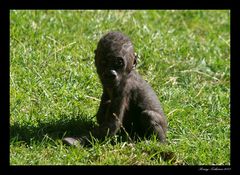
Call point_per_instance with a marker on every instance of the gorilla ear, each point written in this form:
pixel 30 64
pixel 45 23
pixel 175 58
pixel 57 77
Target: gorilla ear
pixel 135 60
pixel 95 51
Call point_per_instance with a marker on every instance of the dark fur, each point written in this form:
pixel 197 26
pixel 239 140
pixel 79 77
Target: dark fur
pixel 127 101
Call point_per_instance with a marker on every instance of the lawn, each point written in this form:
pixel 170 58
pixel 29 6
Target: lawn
pixel 55 91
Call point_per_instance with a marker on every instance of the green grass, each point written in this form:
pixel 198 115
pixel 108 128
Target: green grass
pixel 55 91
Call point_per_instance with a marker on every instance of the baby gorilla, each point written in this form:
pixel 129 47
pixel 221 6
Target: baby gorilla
pixel 127 101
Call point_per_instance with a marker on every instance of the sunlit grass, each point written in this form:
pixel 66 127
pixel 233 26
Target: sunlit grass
pixel 55 91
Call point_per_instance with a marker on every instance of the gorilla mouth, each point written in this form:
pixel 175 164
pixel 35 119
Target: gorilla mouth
pixel 109 82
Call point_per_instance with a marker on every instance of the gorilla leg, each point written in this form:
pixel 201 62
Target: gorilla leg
pixel 154 122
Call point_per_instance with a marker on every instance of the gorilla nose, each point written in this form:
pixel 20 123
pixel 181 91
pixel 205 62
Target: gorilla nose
pixel 112 74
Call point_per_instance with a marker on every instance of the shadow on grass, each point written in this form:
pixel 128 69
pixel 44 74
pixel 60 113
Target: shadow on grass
pixel 76 126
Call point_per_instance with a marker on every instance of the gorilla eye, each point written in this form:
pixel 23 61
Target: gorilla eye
pixel 119 63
